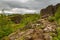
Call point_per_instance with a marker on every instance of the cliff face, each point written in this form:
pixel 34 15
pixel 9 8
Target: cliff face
pixel 49 11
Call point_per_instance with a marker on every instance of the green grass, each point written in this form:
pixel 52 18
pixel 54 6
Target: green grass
pixel 57 19
pixel 7 26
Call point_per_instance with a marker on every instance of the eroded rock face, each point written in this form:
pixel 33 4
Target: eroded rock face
pixel 49 11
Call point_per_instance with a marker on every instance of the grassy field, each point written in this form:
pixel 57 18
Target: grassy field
pixel 8 24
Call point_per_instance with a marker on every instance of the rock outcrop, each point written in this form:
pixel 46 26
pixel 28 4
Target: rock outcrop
pixel 49 11
pixel 16 19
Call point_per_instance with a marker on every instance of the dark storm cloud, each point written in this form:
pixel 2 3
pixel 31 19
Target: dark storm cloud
pixel 31 4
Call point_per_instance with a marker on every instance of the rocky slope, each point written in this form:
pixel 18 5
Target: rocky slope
pixel 36 32
pixel 41 29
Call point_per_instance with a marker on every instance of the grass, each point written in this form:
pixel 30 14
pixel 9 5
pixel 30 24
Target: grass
pixel 7 26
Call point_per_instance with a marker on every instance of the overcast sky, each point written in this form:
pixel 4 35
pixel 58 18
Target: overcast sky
pixel 25 5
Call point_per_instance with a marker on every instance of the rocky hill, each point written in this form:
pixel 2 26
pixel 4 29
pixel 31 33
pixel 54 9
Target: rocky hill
pixel 42 29
pixel 49 11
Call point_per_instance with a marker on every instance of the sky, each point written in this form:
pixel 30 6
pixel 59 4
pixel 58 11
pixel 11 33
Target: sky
pixel 25 6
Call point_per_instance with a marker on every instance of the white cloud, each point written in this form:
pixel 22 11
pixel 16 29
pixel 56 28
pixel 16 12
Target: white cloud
pixel 19 11
pixel 22 10
pixel 54 2
pixel 23 1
